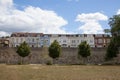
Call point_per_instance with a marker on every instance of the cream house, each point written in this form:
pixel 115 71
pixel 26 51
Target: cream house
pixel 32 39
pixel 65 40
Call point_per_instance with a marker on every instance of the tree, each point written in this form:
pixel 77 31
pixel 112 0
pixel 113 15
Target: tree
pixel 112 50
pixel 54 50
pixel 114 23
pixel 107 31
pixel 23 50
pixel 84 49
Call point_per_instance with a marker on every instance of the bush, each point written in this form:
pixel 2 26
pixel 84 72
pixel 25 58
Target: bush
pixel 84 49
pixel 49 62
pixel 23 50
pixel 54 50
pixel 112 50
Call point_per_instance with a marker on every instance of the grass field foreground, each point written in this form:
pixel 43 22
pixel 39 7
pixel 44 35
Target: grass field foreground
pixel 55 72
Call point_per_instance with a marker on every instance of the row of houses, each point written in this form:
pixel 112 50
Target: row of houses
pixel 65 40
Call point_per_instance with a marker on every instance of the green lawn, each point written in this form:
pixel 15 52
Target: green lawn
pixel 54 72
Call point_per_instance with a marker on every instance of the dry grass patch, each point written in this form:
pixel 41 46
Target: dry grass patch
pixel 54 72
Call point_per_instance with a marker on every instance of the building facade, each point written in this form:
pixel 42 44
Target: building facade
pixel 102 40
pixel 44 40
pixel 65 40
pixel 32 39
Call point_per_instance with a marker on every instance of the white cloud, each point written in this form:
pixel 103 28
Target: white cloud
pixel 31 19
pixel 2 33
pixel 6 3
pixel 118 12
pixel 91 22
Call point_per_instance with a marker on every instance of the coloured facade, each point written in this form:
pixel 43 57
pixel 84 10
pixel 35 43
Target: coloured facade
pixel 65 40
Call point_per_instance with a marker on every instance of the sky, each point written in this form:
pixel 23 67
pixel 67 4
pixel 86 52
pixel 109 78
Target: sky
pixel 56 16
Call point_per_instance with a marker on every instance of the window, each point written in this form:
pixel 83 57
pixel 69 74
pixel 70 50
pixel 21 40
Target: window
pixel 91 41
pixel 64 45
pixel 38 35
pixel 59 41
pixel 73 45
pixel 28 40
pixel 46 41
pixel 37 39
pixel 85 35
pixel 100 41
pixel 95 40
pixel 73 41
pixel 32 45
pixel 82 40
pixel 21 39
pixel 77 35
pixel 17 45
pixel 32 40
pixel 49 35
pixel 64 41
pixel 16 40
pixel 108 40
pixel 67 35
pixel 59 35
pixel 80 35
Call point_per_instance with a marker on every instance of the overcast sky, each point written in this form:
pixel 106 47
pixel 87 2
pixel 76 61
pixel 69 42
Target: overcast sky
pixel 56 16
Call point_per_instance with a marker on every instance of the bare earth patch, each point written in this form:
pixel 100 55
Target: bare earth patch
pixel 54 72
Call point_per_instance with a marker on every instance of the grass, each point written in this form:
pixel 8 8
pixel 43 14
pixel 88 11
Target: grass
pixel 55 72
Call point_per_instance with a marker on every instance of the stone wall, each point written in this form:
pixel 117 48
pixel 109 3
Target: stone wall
pixel 40 55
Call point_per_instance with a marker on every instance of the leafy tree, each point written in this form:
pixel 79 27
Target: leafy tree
pixel 112 50
pixel 84 50
pixel 54 50
pixel 23 50
pixel 114 23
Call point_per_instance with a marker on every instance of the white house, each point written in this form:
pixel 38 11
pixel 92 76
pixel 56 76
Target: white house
pixel 65 40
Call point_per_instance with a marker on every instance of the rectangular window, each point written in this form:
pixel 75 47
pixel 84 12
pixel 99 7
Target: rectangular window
pixel 16 40
pixel 64 45
pixel 85 35
pixel 81 35
pixel 100 41
pixel 73 41
pixel 32 40
pixel 91 41
pixel 21 39
pixel 59 35
pixel 108 40
pixel 95 40
pixel 37 39
pixel 77 35
pixel 82 40
pixel 64 41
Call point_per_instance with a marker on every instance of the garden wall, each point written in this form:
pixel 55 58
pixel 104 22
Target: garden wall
pixel 40 56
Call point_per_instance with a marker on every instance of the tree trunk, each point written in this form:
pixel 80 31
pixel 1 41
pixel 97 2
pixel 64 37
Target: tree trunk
pixel 21 60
